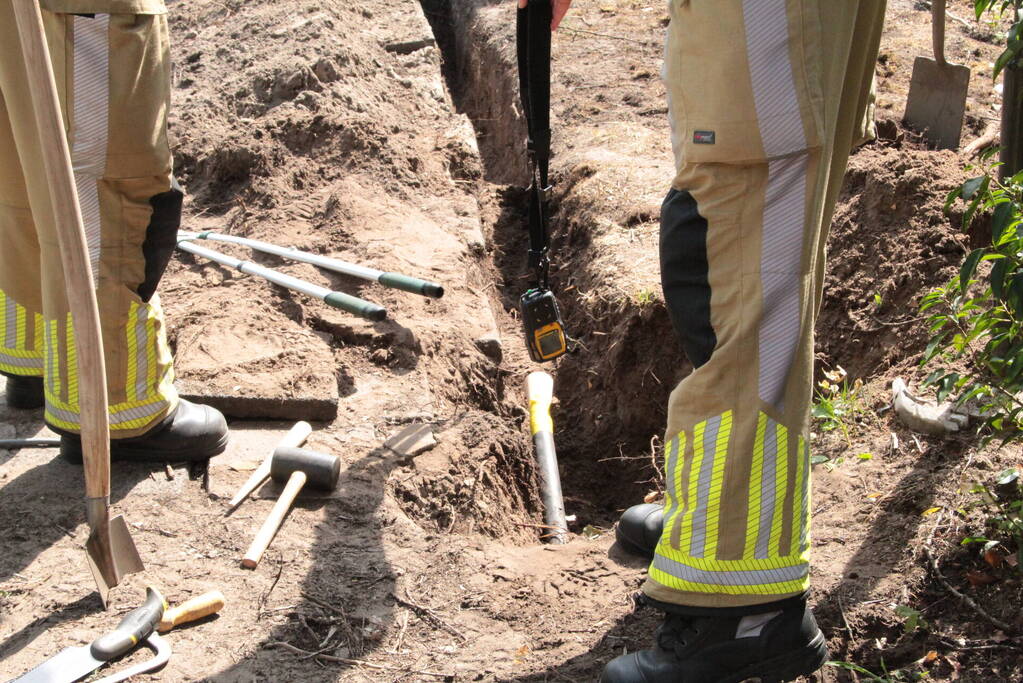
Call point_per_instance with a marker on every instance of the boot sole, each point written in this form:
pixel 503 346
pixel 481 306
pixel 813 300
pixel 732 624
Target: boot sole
pixel 73 453
pixel 787 667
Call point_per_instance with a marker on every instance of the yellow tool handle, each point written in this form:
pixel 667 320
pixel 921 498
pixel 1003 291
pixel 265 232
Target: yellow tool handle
pixel 540 388
pixel 191 610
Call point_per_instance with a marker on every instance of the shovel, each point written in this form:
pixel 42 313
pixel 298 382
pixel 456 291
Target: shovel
pixel 937 91
pixel 111 551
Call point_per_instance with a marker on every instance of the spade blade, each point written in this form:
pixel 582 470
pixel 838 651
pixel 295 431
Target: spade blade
pixel 112 554
pixel 937 101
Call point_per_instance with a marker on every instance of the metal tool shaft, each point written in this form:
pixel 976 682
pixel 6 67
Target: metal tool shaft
pixel 346 302
pixel 394 280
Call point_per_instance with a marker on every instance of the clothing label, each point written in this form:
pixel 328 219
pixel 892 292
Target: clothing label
pixel 703 137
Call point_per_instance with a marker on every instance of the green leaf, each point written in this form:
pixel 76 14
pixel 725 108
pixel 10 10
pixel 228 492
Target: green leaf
pixel 969 268
pixel 998 272
pixel 971 186
pixel 1004 215
pixel 819 459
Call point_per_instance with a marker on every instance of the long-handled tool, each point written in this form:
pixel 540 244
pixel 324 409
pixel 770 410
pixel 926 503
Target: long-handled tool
pixel 295 466
pixel 295 437
pixel 111 551
pixel 405 283
pixel 346 302
pixel 938 90
pixel 540 387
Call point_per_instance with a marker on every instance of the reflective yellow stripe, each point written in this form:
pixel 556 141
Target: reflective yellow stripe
pixel 717 484
pixel 756 474
pixel 72 364
pixel 781 484
pixel 40 343
pixel 129 384
pixel 674 504
pixel 151 354
pixel 20 328
pixel 53 359
pixel 780 588
pixel 801 502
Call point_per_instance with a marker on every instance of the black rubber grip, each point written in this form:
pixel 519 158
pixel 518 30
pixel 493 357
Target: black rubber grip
pixel 133 629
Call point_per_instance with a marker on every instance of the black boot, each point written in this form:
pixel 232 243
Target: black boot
pixel 777 643
pixel 639 529
pixel 25 393
pixel 191 432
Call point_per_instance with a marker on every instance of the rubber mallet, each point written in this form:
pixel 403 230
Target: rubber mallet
pixel 293 439
pixel 296 466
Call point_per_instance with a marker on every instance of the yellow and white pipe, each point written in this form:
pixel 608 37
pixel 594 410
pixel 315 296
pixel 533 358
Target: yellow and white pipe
pixel 540 388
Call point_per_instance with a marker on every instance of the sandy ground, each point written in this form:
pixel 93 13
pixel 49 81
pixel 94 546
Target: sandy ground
pixel 386 134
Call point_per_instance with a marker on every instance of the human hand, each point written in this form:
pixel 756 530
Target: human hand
pixel 560 9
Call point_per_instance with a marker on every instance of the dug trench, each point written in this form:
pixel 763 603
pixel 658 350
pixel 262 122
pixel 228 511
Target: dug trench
pixel 366 133
pixel 892 240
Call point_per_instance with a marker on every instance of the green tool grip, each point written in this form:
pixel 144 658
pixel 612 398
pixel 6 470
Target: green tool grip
pixel 363 309
pixel 411 284
pixel 132 630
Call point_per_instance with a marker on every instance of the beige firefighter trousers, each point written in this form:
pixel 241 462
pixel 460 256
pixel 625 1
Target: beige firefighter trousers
pixel 113 79
pixel 766 100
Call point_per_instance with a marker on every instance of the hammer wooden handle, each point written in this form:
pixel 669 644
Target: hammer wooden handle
pixel 273 521
pixel 191 610
pixel 293 439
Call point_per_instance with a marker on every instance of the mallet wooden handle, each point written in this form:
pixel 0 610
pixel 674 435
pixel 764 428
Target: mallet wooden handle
pixel 273 521
pixel 191 610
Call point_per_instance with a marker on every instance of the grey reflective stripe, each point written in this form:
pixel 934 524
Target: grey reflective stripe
pixel 89 126
pixel 35 363
pixel 129 414
pixel 780 267
pixel 781 131
pixel 52 354
pixel 671 467
pixel 10 323
pixel 774 85
pixel 698 545
pixel 731 577
pixel 768 484
pixel 117 417
pixel 141 359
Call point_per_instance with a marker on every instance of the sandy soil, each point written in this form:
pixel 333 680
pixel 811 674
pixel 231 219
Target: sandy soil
pixel 387 134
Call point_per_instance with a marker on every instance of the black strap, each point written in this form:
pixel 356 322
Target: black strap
pixel 533 26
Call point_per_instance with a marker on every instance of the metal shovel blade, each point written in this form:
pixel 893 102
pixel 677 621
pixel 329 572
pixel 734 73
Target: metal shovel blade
pixel 937 101
pixel 112 554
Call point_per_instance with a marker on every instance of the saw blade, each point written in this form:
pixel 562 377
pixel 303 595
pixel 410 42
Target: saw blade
pixel 66 666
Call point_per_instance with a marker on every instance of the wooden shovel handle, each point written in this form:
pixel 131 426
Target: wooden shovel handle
pixel 74 254
pixel 273 520
pixel 938 30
